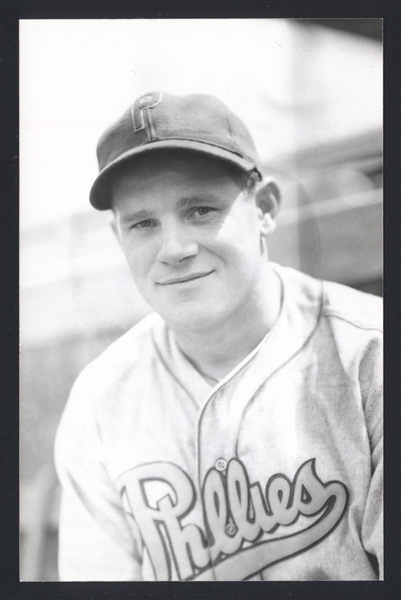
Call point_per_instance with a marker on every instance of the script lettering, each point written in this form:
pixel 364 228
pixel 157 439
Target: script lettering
pixel 186 543
pixel 235 512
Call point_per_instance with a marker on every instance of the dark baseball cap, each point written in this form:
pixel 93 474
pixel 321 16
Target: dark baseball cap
pixel 156 120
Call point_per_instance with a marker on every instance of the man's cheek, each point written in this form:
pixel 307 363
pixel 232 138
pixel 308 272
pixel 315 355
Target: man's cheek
pixel 141 277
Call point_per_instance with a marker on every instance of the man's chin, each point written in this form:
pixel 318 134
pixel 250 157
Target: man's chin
pixel 188 318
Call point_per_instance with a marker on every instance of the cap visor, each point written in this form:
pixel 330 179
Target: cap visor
pixel 100 196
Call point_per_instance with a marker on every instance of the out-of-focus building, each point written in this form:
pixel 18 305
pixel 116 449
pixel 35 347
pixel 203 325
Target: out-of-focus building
pixel 77 295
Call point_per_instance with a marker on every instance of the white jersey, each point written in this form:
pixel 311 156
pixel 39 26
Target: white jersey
pixel 274 473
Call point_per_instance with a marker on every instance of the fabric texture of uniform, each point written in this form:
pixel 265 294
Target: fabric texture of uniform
pixel 274 473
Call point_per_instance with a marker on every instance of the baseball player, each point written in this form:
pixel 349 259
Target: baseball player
pixel 236 432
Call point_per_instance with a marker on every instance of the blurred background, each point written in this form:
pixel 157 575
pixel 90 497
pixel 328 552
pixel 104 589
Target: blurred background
pixel 310 91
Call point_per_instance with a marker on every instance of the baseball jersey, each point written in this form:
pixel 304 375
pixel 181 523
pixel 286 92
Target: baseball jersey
pixel 273 473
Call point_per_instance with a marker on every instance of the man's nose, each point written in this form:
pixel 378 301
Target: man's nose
pixel 176 244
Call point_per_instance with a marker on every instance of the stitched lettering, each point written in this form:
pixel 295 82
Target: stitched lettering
pixel 142 104
pixel 235 514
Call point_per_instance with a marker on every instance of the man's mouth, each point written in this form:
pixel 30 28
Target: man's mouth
pixel 184 278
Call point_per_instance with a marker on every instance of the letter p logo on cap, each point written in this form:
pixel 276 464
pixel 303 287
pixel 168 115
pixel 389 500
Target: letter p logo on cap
pixel 141 104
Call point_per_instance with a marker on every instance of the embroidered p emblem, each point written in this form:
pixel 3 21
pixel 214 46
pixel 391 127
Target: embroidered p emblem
pixel 142 104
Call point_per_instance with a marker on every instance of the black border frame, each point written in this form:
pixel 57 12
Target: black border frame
pixel 11 12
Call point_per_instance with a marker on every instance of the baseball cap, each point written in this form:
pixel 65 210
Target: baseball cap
pixel 157 120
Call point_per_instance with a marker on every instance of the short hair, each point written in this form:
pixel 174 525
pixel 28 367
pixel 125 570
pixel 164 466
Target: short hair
pixel 248 180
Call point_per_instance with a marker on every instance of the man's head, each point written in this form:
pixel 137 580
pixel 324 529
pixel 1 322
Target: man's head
pixel 192 225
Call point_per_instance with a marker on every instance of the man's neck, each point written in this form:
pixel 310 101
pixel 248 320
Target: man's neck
pixel 216 351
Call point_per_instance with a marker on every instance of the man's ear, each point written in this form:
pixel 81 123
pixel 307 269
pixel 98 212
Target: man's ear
pixel 268 200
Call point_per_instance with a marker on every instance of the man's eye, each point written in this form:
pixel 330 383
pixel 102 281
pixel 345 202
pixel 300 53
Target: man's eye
pixel 201 211
pixel 146 224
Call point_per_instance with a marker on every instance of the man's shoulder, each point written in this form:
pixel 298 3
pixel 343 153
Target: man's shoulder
pixel 340 302
pixel 102 385
pixel 357 308
pixel 123 356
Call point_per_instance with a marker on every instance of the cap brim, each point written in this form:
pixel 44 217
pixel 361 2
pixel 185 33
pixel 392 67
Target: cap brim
pixel 100 193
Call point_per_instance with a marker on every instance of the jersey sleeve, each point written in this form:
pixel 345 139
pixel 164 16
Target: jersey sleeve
pixel 96 542
pixel 372 390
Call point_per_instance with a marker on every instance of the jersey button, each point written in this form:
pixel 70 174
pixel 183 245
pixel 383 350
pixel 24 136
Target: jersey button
pixel 231 529
pixel 221 464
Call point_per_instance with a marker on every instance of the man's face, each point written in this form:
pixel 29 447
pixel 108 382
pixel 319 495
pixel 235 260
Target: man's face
pixel 191 237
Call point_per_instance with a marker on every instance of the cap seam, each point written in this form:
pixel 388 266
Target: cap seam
pixel 198 141
pixel 230 131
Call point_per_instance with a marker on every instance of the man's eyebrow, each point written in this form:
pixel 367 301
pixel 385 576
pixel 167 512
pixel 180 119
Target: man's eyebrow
pixel 184 202
pixel 197 199
pixel 134 216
